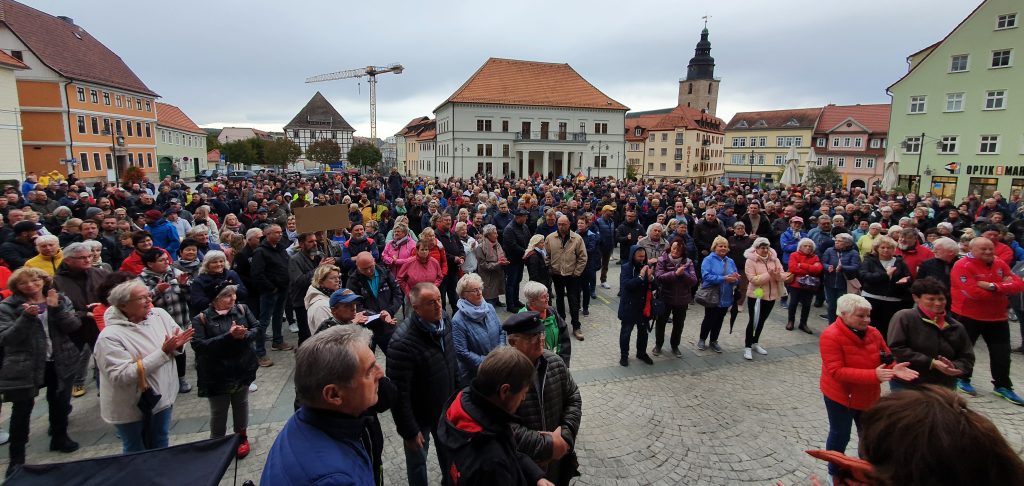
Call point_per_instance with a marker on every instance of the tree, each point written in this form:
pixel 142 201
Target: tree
pixel 239 152
pixel 630 172
pixel 364 154
pixel 324 152
pixel 212 142
pixel 281 152
pixel 825 176
pixel 132 175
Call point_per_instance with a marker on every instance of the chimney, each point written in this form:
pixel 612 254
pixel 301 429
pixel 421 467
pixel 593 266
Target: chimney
pixel 67 19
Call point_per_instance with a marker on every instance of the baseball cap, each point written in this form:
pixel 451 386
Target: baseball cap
pixel 153 214
pixel 344 296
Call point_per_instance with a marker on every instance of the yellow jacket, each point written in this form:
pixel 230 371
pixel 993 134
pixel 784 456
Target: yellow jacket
pixel 46 264
pixel 864 244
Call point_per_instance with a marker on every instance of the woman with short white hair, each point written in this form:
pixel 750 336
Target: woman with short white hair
pixel 556 332
pixel 476 329
pixel 137 345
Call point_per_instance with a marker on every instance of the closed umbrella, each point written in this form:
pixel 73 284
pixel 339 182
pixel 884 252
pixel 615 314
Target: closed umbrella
pixel 791 174
pixel 812 159
pixel 892 171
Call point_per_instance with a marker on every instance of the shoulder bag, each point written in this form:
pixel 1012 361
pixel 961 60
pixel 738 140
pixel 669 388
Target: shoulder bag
pixel 710 295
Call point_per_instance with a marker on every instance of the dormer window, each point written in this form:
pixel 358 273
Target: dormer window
pixel 639 131
pixel 792 123
pixel 742 124
pixel 761 124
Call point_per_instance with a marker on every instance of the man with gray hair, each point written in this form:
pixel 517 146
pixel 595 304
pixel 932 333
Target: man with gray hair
pixel 79 281
pixel 654 243
pixel 336 381
pixel 947 252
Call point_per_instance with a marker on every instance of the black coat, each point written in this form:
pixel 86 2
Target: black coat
pixel 201 291
pixel 224 364
pixel 452 249
pixel 874 280
pixel 243 267
pixel 623 233
pixel 704 233
pixel 16 252
pixel 270 267
pixel 557 403
pixel 300 273
pixel 514 239
pixel 82 288
pixel 425 371
pixel 538 269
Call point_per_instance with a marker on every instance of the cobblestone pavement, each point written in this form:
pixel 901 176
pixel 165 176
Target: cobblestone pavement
pixel 702 419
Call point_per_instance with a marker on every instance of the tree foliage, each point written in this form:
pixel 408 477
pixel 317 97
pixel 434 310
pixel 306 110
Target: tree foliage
pixel 631 172
pixel 324 152
pixel 133 175
pixel 281 152
pixel 212 142
pixel 240 152
pixel 365 154
pixel 825 176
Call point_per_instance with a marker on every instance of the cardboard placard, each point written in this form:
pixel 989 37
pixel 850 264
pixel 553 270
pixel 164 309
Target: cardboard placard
pixel 320 218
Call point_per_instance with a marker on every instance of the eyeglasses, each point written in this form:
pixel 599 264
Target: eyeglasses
pixel 473 291
pixel 144 298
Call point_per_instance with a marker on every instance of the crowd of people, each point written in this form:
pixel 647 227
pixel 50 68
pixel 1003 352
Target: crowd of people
pixel 123 279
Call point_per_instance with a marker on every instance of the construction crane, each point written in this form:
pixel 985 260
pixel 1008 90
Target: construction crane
pixel 369 71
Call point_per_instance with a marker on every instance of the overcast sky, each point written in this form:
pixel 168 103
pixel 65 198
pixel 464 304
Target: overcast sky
pixel 243 63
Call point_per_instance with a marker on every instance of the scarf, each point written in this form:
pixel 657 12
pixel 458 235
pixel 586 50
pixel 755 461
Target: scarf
pixel 435 332
pixel 937 318
pixel 399 243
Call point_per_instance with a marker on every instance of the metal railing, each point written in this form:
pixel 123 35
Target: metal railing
pixel 551 136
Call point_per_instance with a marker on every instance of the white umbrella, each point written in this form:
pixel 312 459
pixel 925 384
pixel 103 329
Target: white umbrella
pixel 892 171
pixel 812 159
pixel 791 174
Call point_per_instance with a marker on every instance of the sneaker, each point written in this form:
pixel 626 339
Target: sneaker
pixel 578 334
pixel 282 346
pixel 623 361
pixel 823 316
pixel 243 449
pixel 4 437
pixel 965 386
pixel 293 327
pixel 77 391
pixel 183 386
pixel 759 350
pixel 647 359
pixel 68 446
pixel 604 285
pixel 656 351
pixel 253 387
pixel 586 312
pixel 265 361
pixel 747 354
pixel 701 346
pixel 715 347
pixel 677 352
pixel 1009 395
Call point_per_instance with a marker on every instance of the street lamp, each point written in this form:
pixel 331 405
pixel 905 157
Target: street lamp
pixel 750 175
pixel 114 144
pixel 598 161
pixel 920 152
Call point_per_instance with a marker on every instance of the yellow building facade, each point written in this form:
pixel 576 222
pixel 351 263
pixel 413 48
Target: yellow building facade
pixel 756 143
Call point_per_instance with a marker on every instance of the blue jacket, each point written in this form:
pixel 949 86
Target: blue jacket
pixel 319 447
pixel 634 289
pixel 788 241
pixel 822 240
pixel 850 260
pixel 165 236
pixel 1018 252
pixel 606 230
pixel 501 220
pixel 590 242
pixel 476 331
pixel 713 271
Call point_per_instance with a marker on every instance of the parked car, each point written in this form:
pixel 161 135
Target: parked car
pixel 208 175
pixel 241 175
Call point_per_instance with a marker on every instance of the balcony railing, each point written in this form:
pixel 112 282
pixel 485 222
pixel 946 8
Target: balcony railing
pixel 552 136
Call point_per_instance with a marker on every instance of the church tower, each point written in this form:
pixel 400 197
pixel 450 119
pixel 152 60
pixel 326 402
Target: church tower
pixel 700 88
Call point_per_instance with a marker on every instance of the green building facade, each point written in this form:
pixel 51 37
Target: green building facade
pixel 957 119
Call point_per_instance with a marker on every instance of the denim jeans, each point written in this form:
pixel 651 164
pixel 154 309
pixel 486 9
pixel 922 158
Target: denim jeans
pixel 131 433
pixel 840 421
pixel 416 462
pixel 513 276
pixel 271 312
pixel 588 286
pixel 831 297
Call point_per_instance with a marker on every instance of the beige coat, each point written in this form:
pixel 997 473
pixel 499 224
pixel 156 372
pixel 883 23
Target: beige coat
pixel 492 273
pixel 567 259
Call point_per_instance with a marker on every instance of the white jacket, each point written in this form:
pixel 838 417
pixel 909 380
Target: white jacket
pixel 117 347
pixel 318 308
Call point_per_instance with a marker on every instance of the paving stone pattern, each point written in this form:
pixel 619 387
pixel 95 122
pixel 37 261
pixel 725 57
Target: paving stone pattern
pixel 704 419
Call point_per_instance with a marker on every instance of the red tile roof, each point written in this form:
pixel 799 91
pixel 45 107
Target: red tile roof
pixel 515 82
pixel 213 156
pixel 11 61
pixel 414 126
pixel 69 49
pixel 678 117
pixel 427 135
pixel 171 116
pixel 775 119
pixel 873 117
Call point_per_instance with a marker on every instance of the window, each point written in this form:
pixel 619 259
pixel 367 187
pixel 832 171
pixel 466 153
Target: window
pixel 81 94
pixel 984 186
pixel 138 129
pixel 858 163
pixel 762 142
pixel 948 144
pixel 129 124
pixel 835 142
pixel 820 142
pixel 679 139
pixel 602 161
pixel 138 106
pixel 505 150
pixel 871 162
pixel 753 141
pixel 846 141
pixel 797 141
pixel 858 142
pixel 995 100
pixel 650 151
pixel 989 144
pixel 664 137
pixel 737 159
pixel 828 160
pixel 638 131
pixel 650 166
pixel 958 63
pixel 18 55
pixel 664 152
pixel 149 106
pixel 600 128
pixel 1001 58
pixel 504 125
pixel 779 159
pixel 483 125
pixel 875 143
pixel 651 138
pixel 110 161
pixel 106 98
pixel 842 162
pixel 954 102
pixel 95 124
pixel 912 145
pixel 117 99
pixel 679 154
pixel 131 159
pixel 93 96
pixel 106 125
pixel 149 160
pixel 662 166
pixel 117 126
pixel 917 104
pixel 81 124
pixel 738 141
pixel 83 159
pixel 95 161
pixel 679 167
pixel 1006 21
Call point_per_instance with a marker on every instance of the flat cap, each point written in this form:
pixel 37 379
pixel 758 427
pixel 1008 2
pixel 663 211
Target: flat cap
pixel 523 323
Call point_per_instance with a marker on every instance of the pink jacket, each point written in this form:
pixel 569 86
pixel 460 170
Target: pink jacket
pixel 757 274
pixel 414 272
pixel 396 256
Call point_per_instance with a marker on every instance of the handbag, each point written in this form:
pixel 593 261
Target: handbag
pixel 808 281
pixel 853 286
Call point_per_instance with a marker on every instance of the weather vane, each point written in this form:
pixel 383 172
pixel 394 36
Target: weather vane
pixel 706 17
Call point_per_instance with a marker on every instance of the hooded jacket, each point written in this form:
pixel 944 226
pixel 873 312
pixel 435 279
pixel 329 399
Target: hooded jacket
pixel 626 235
pixel 634 288
pixel 914 258
pixel 16 252
pixel 165 236
pixel 478 439
pixel 23 341
pixel 398 252
pixel 117 348
pixel 758 273
pixel 318 308
pixel 476 331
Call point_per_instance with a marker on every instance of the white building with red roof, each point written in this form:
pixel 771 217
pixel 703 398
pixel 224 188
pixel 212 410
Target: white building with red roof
pixel 180 143
pixel 526 117
pixel 853 139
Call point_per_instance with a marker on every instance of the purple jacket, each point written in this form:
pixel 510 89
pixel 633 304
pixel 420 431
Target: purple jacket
pixel 675 289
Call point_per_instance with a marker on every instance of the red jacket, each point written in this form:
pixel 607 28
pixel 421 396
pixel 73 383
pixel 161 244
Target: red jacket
pixel 914 258
pixel 133 263
pixel 800 265
pixel 848 365
pixel 977 303
pixel 1004 253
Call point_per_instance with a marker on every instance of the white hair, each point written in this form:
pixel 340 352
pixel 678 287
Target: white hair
pixel 849 303
pixel 46 239
pixel 466 280
pixel 212 256
pixel 807 241
pixel 122 293
pixel 533 290
pixel 947 243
